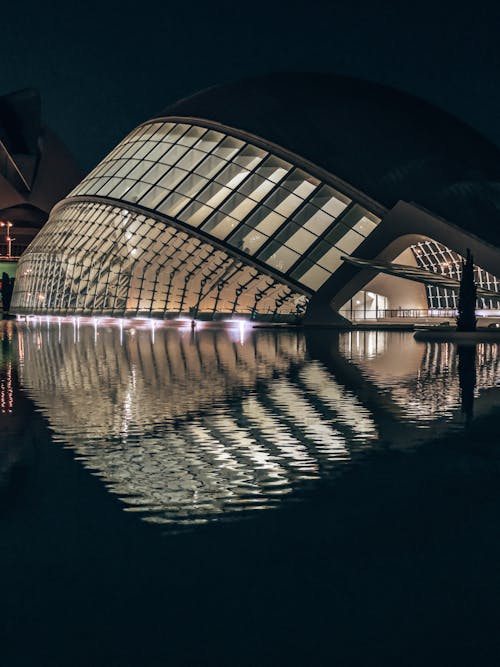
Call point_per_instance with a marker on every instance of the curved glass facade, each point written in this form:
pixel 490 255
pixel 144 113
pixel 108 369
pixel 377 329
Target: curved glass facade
pixel 95 258
pixel 436 257
pixel 136 235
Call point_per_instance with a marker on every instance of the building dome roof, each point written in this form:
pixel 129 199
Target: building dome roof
pixel 388 144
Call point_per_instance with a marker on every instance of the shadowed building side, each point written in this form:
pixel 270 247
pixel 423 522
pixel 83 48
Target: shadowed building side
pixel 36 170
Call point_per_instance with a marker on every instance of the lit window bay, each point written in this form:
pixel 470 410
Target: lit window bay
pixel 186 219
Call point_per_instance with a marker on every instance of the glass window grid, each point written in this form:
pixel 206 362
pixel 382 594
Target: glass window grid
pixel 93 279
pixel 436 257
pixel 191 204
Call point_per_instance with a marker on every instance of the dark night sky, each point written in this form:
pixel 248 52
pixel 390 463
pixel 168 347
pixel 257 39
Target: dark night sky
pixel 102 67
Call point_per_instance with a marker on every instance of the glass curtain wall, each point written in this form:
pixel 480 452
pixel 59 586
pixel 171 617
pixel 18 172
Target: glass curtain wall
pixel 436 257
pixel 97 259
pixel 121 243
pixel 235 192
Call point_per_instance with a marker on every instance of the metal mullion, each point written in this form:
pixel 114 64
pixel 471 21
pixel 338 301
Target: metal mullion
pixel 279 152
pixel 202 295
pixel 188 173
pixel 161 266
pixel 195 232
pixel 321 238
pixel 314 243
pixel 226 264
pixel 258 206
pixel 210 182
pixel 113 258
pixel 54 277
pixel 190 273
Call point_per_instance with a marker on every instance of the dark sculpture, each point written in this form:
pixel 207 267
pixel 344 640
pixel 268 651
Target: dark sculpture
pixel 7 289
pixel 466 320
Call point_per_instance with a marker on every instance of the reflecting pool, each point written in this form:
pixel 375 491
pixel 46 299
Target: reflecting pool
pixel 241 497
pixel 187 426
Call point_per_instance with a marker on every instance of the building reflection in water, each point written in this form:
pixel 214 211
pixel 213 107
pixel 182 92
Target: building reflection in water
pixel 17 435
pixel 424 383
pixel 190 426
pixel 6 369
pixel 185 426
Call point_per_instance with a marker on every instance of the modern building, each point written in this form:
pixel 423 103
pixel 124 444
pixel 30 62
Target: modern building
pixel 36 171
pixel 285 196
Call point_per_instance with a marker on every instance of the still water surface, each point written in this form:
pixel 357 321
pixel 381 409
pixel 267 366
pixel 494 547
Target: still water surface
pixel 187 427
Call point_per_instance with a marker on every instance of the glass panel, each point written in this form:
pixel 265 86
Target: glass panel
pixel 173 204
pixel 256 187
pixel 91 187
pixel 280 257
pixel 112 167
pixel 238 206
pixel 300 183
pixel 301 240
pixel 154 197
pixel 129 151
pixel 195 214
pixel 331 260
pixel 149 130
pixel 214 194
pixel 319 251
pixel 313 220
pixel 191 159
pixel 123 187
pixel 315 277
pixel 177 131
pixel 283 202
pixel 210 166
pixel 330 201
pixel 192 185
pixel 209 141
pixel 139 170
pixel 136 192
pixel 354 215
pixel 220 225
pixel 265 221
pixel 191 136
pixel 248 240
pixel 273 169
pixel 335 234
pixel 231 176
pixel 365 226
pixel 228 148
pixel 172 178
pixel 162 131
pixel 158 152
pixel 350 241
pixel 250 156
pixel 107 186
pixel 146 148
pixel 174 154
pixel 154 173
pixel 127 167
pixel 286 232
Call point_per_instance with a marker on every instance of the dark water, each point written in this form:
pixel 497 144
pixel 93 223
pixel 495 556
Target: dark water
pixel 246 497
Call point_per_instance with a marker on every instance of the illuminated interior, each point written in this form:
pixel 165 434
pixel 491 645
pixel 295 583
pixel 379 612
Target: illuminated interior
pixel 182 219
pixel 436 257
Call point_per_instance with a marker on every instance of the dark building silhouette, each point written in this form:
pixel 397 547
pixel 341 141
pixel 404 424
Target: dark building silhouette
pixel 36 170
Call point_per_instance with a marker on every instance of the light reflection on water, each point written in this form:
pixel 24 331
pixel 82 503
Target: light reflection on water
pixel 191 426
